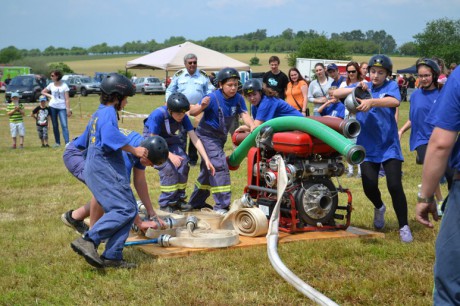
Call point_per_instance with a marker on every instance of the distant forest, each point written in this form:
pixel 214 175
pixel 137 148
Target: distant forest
pixel 440 38
pixel 355 42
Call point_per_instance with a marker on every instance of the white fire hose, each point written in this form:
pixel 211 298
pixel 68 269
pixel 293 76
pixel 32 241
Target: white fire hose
pixel 272 244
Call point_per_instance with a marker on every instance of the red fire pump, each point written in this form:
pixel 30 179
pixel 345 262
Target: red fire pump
pixel 311 200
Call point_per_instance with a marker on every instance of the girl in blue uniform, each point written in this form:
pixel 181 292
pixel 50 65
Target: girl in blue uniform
pixel 265 104
pixel 422 100
pixel 379 136
pixel 219 108
pixel 75 158
pixel 105 175
pixel 170 122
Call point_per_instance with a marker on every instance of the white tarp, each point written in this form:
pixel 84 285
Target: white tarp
pixel 172 59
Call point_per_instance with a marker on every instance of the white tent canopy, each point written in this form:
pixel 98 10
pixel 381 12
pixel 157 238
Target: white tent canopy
pixel 172 59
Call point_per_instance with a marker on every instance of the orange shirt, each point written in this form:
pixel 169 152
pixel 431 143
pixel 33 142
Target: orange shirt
pixel 295 91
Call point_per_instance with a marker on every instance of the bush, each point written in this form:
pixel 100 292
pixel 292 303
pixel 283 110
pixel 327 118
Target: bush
pixel 254 61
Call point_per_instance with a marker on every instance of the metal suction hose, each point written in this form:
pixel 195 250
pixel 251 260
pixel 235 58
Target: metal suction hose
pixel 272 245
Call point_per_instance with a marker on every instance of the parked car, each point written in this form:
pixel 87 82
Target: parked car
pixel 27 86
pixel 148 85
pixel 72 89
pixel 84 84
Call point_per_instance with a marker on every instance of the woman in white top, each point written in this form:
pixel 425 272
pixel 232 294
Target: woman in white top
pixel 58 93
pixel 317 91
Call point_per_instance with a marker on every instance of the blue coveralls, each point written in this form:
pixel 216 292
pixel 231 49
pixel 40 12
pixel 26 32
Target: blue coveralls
pixel 173 181
pixel 105 175
pixel 213 139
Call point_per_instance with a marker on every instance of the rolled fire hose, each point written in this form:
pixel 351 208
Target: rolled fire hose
pixel 354 154
pixel 193 237
pixel 272 244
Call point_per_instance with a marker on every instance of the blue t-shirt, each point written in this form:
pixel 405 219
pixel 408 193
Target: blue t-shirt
pixel 102 131
pixel 230 107
pixel 272 107
pixel 155 123
pixel 421 102
pixel 445 113
pixel 379 131
pixel 334 110
pixel 131 161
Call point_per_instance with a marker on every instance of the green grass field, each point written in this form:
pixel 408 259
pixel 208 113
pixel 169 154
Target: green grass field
pixel 39 267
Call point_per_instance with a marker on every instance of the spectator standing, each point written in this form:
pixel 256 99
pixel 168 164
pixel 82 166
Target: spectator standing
pixel 15 112
pixel 275 78
pixel 194 84
pixel 318 89
pixel 8 79
pixel 58 93
pixel 444 147
pixel 410 86
pixel 333 72
pixel 364 71
pixel 379 136
pixel 297 92
pixel 42 114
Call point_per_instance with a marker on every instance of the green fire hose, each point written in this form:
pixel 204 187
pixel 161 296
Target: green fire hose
pixel 354 154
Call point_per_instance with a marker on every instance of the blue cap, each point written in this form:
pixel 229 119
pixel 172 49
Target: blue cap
pixel 15 95
pixel 332 67
pixel 42 98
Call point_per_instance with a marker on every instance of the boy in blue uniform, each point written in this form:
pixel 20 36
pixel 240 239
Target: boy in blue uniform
pixel 379 136
pixel 265 105
pixel 444 147
pixel 170 122
pixel 219 110
pixel 74 159
pixel 105 175
pixel 333 107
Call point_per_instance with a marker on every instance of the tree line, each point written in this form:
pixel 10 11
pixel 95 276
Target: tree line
pixel 440 37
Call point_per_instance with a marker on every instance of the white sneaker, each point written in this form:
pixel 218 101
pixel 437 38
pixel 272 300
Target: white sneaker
pixel 405 234
pixel 379 217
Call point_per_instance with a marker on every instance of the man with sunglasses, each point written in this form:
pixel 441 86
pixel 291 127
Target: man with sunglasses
pixel 194 84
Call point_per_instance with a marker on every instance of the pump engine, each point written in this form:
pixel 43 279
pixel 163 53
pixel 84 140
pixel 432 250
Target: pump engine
pixel 311 200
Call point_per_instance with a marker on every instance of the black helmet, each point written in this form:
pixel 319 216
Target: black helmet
pixel 430 63
pixel 178 103
pixel 227 73
pixel 381 60
pixel 115 83
pixel 251 85
pixel 158 149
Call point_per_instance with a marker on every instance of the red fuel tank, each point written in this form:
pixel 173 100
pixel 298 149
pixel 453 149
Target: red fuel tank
pixel 299 143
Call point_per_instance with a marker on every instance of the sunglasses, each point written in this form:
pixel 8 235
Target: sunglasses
pixel 192 63
pixel 351 71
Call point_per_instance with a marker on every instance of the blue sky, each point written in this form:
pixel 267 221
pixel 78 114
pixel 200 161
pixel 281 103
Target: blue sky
pixel 28 24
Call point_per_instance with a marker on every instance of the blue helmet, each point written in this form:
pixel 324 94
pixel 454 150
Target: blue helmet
pixel 381 60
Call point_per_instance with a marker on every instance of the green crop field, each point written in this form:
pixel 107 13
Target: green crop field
pixel 39 267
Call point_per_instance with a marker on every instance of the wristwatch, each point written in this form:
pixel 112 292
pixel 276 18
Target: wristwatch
pixel 428 200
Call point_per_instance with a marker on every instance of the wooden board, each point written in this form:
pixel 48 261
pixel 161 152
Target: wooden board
pixel 351 232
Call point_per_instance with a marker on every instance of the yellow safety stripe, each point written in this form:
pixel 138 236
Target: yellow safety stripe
pixel 181 185
pixel 169 188
pixel 199 186
pixel 217 189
